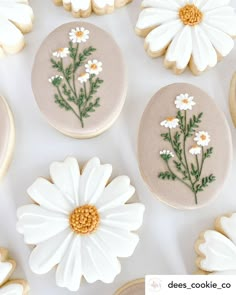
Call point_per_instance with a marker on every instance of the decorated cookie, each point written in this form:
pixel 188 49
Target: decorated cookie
pixel 80 223
pixel 16 17
pixel 232 99
pixel 133 288
pixel 83 8
pixel 7 267
pixel 194 33
pixel 216 249
pixel 184 147
pixel 83 88
pixel 7 136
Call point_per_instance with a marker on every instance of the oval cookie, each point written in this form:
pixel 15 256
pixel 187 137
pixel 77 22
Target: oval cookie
pixel 133 288
pixel 83 86
pixel 7 136
pixel 184 147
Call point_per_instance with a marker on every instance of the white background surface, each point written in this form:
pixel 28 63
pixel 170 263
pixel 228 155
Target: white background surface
pixel 168 235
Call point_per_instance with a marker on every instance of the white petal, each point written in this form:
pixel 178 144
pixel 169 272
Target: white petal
pixel 49 253
pixel 212 4
pixel 228 225
pixel 204 55
pixel 219 252
pixel 49 197
pixel 103 3
pixel 180 49
pixel 78 5
pixel 38 224
pixel 65 175
pixel 93 181
pixel 159 38
pixel 129 217
pixel 221 41
pixel 117 193
pixel 97 263
pixel 168 4
pixel 6 270
pixel 153 17
pixel 12 289
pixel 198 3
pixel 69 270
pixel 120 243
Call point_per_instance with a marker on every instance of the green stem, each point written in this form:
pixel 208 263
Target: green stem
pixel 197 162
pixel 74 68
pixel 60 94
pixel 184 148
pixel 67 80
pixel 177 176
pixel 172 144
pixel 87 97
pixel 195 197
pixel 203 159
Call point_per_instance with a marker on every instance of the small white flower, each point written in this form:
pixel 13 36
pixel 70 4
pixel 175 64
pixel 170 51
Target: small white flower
pixel 57 77
pixel 170 122
pixel 167 152
pixel 93 67
pixel 195 150
pixel 184 102
pixel 79 35
pixel 83 78
pixel 202 138
pixel 61 52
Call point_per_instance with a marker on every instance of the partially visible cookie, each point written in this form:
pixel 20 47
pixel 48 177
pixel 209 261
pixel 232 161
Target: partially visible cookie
pixel 83 8
pixel 216 249
pixel 232 99
pixel 7 136
pixel 132 288
pixel 189 33
pixel 7 267
pixel 16 19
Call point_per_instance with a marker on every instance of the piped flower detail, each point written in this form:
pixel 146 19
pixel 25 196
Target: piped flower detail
pixel 93 67
pixel 55 80
pixel 166 155
pixel 61 52
pixel 83 77
pixel 79 35
pixel 202 138
pixel 80 223
pixel 170 122
pixel 195 150
pixel 184 102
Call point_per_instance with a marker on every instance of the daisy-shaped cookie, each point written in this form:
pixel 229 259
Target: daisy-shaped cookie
pixel 16 18
pixel 7 267
pixel 83 8
pixel 79 223
pixel 217 248
pixel 194 33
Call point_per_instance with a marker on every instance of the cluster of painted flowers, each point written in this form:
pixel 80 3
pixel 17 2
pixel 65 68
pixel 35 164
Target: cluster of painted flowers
pixel 93 67
pixel 185 102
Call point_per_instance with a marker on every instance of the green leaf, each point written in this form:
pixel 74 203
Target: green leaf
pixel 208 153
pixel 193 124
pixel 167 176
pixel 165 136
pixel 205 182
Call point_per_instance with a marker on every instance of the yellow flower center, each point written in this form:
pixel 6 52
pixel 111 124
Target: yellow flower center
pixel 60 50
pixel 170 119
pixel 185 101
pixel 94 67
pixel 84 220
pixel 79 34
pixel 203 137
pixel 82 75
pixel 190 15
pixel 195 146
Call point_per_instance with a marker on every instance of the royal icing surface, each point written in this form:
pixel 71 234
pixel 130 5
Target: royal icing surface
pixel 16 18
pixel 89 248
pixel 201 38
pixel 219 249
pixel 5 269
pixel 12 289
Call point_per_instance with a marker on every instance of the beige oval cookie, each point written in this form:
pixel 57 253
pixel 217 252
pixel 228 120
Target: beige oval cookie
pixel 7 136
pixel 232 99
pixel 133 288
pixel 79 80
pixel 184 147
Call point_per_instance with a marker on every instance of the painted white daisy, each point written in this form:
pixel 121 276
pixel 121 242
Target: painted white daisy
pixel 83 78
pixel 79 35
pixel 170 122
pixel 55 77
pixel 202 138
pixel 7 267
pixel 61 52
pixel 195 150
pixel 188 32
pixel 167 152
pixel 184 102
pixel 80 222
pixel 93 67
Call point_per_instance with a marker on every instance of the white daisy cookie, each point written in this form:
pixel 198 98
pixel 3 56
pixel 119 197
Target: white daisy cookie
pixel 84 8
pixel 216 248
pixel 194 33
pixel 7 267
pixel 80 223
pixel 16 19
